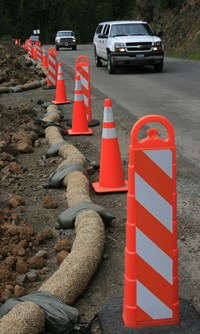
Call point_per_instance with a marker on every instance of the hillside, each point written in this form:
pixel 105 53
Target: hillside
pixel 180 25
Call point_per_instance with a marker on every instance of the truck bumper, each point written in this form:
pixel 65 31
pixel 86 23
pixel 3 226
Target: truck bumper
pixel 149 58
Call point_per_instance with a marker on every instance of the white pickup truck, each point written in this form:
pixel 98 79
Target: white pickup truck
pixel 127 43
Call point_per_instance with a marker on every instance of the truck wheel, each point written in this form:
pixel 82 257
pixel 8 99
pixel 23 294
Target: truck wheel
pixel 57 48
pixel 111 68
pixel 74 47
pixel 158 67
pixel 97 59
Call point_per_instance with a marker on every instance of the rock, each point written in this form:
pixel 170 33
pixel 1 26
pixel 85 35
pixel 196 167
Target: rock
pixel 47 233
pixel 49 203
pixel 32 275
pixel 61 245
pixel 61 256
pixel 36 262
pixel 18 291
pixel 21 265
pixel 25 148
pixel 16 201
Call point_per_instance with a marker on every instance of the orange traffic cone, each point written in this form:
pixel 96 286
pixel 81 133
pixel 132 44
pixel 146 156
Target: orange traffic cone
pixel 79 118
pixel 44 58
pixel 61 97
pixel 111 178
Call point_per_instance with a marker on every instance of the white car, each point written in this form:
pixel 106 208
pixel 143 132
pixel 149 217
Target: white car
pixel 65 39
pixel 126 43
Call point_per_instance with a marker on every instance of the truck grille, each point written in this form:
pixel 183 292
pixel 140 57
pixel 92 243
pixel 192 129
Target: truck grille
pixel 144 46
pixel 64 40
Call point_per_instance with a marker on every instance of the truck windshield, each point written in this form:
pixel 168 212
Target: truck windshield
pixel 130 29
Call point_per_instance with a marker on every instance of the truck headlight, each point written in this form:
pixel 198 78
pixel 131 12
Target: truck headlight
pixel 74 40
pixel 120 47
pixel 157 46
pixel 58 40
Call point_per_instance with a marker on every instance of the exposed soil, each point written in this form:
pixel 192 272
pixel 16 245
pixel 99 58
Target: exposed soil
pixel 31 249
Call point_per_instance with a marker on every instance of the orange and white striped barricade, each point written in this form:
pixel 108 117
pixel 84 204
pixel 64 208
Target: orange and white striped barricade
pixel 44 58
pixel 38 53
pixel 151 253
pixel 52 68
pixel 83 69
pixel 30 48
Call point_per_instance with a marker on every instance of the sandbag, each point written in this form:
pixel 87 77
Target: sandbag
pixel 57 313
pixel 56 178
pixel 67 218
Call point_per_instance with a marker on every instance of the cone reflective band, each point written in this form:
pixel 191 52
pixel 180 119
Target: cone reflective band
pixel 151 254
pixel 61 97
pixel 30 48
pixel 83 69
pixel 79 119
pixel 111 177
pixel 52 64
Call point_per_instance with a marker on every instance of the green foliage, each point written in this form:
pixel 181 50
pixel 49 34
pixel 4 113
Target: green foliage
pixel 6 37
pixel 20 17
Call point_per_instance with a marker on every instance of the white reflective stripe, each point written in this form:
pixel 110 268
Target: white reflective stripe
pixel 86 68
pixel 109 133
pixel 153 202
pixel 78 85
pixel 162 158
pixel 154 256
pixel 52 60
pixel 59 69
pixel 52 79
pixel 108 115
pixel 78 97
pixel 84 82
pixel 150 304
pixel 52 70
pixel 60 77
pixel 85 100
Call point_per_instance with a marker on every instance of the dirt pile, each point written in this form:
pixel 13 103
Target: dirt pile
pixel 14 68
pixel 24 248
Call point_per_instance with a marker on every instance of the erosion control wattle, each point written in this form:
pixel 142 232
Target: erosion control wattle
pixel 151 254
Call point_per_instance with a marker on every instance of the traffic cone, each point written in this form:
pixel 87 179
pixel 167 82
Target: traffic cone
pixel 61 97
pixel 79 118
pixel 111 177
pixel 44 58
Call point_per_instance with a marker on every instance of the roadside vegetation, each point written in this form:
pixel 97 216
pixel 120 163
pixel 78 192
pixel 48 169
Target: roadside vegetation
pixel 178 19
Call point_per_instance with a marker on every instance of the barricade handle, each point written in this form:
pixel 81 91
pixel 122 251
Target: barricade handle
pixel 80 59
pixel 152 139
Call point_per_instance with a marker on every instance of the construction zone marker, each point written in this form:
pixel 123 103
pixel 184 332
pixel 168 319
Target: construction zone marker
pixel 151 253
pixel 111 177
pixel 79 119
pixel 61 97
pixel 44 58
pixel 52 68
pixel 82 68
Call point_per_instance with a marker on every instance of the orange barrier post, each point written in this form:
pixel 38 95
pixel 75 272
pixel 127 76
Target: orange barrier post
pixel 111 178
pixel 38 53
pixel 44 58
pixel 52 70
pixel 79 119
pixel 30 48
pixel 151 253
pixel 61 97
pixel 83 69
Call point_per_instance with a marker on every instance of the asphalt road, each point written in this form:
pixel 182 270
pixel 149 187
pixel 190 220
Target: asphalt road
pixel 174 94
